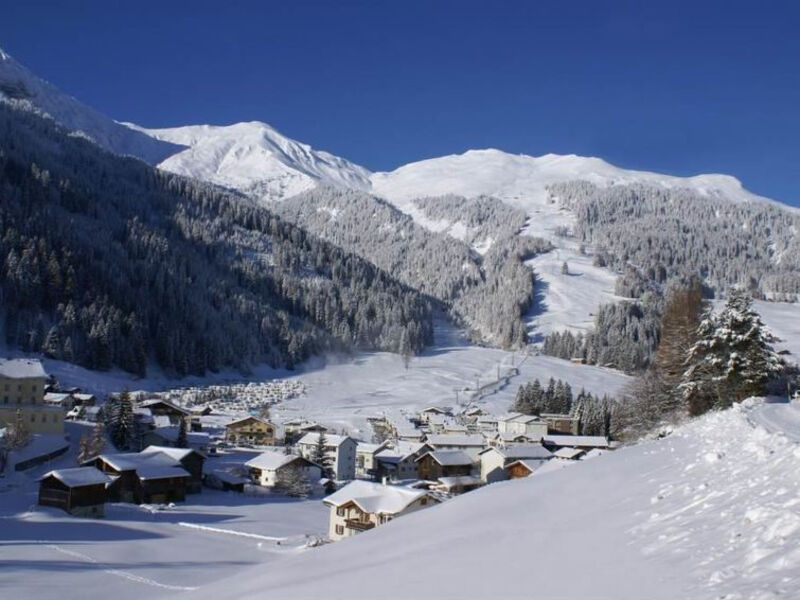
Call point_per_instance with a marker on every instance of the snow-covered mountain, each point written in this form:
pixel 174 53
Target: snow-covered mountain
pixel 21 87
pixel 255 159
pixel 521 180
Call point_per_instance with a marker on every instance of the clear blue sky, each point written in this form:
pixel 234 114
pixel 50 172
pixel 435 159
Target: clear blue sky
pixel 673 86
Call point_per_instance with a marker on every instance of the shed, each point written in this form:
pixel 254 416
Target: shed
pixel 80 491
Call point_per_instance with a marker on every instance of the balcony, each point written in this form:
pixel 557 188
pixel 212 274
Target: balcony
pixel 357 525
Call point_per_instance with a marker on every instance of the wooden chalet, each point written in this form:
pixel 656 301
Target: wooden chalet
pixel 444 463
pixel 80 491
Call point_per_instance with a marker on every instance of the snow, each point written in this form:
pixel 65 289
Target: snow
pixel 652 521
pixel 20 368
pixel 374 497
pixel 312 438
pixel 523 451
pixel 783 320
pixel 450 458
pixel 78 476
pixel 256 159
pixel 20 87
pixel 455 440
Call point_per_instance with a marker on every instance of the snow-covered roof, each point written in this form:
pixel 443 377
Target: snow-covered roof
pixel 451 482
pixel 152 465
pixel 522 451
pixel 568 453
pixel 78 476
pixel 578 441
pixel 367 448
pixel 449 458
pixel 312 437
pixel 21 368
pixel 456 440
pixel 400 449
pixel 175 453
pixel 272 460
pixel 154 401
pixel 511 437
pixel 248 418
pixel 374 497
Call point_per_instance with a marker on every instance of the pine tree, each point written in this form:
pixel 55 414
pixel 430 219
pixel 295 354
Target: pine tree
pixel 321 456
pixel 183 438
pixel 732 359
pixel 98 440
pixel 293 482
pixel 120 421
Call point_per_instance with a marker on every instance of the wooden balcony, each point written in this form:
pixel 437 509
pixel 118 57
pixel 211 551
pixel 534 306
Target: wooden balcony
pixel 358 525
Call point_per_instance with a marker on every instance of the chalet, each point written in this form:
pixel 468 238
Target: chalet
pixel 426 413
pixel 81 399
pixel 564 424
pixel 444 463
pixel 495 461
pixel 189 459
pixel 93 414
pixel 366 465
pixel 363 505
pixel 164 408
pixel 504 440
pixel 398 461
pixel 408 433
pixel 585 442
pixel 469 443
pixel 519 424
pixel 60 399
pixel 143 478
pixel 340 448
pixel 522 468
pixel 22 383
pixel 80 491
pixel 267 468
pixel 251 430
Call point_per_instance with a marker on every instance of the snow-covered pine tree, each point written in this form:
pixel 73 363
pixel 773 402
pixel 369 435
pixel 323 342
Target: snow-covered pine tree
pixel 732 359
pixel 322 457
pixel 84 449
pixel 98 439
pixel 120 420
pixel 293 482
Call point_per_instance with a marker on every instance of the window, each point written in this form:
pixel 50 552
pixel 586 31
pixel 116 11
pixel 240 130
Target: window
pixel 339 530
pixel 340 511
pixel 424 501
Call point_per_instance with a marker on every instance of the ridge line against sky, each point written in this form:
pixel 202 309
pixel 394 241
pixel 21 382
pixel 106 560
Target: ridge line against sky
pixel 680 88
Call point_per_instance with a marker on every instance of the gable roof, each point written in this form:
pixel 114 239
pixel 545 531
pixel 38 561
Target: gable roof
pixel 154 401
pixel 153 465
pixel 531 465
pixel 374 497
pixel 568 452
pixel 456 440
pixel 520 451
pixel 175 453
pixel 330 438
pixel 78 476
pixel 21 368
pixel 578 441
pixel 449 458
pixel 248 418
pixel 272 460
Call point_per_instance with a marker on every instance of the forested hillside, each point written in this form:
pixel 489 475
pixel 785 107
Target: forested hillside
pixel 489 293
pixel 106 261
pixel 676 234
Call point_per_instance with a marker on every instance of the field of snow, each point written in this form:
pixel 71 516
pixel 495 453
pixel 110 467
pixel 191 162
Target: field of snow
pixel 783 319
pixel 711 512
pixel 343 394
pixel 137 552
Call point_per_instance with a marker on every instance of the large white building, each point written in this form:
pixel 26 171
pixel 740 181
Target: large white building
pixel 22 384
pixel 362 505
pixel 267 467
pixel 340 448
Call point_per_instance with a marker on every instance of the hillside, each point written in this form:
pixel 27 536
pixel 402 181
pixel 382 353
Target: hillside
pixel 109 262
pixel 707 513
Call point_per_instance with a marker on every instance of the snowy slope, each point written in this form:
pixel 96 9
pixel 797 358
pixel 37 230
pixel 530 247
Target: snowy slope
pixel 255 159
pixel 19 86
pixel 712 511
pixel 521 180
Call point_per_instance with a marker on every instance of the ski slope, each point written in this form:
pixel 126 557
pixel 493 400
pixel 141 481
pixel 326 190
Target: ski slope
pixel 712 511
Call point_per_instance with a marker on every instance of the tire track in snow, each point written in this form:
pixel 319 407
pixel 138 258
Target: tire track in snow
pixel 122 574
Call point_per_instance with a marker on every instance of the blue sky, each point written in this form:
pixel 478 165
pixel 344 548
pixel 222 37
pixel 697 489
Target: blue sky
pixel 678 87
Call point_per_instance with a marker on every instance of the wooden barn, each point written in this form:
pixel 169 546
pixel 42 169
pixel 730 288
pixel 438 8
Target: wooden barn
pixel 143 478
pixel 80 491
pixel 444 463
pixel 189 459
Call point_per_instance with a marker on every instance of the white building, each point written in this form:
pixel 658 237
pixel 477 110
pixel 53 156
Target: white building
pixel 365 459
pixel 470 444
pixel 519 424
pixel 267 468
pixel 495 461
pixel 362 505
pixel 340 448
